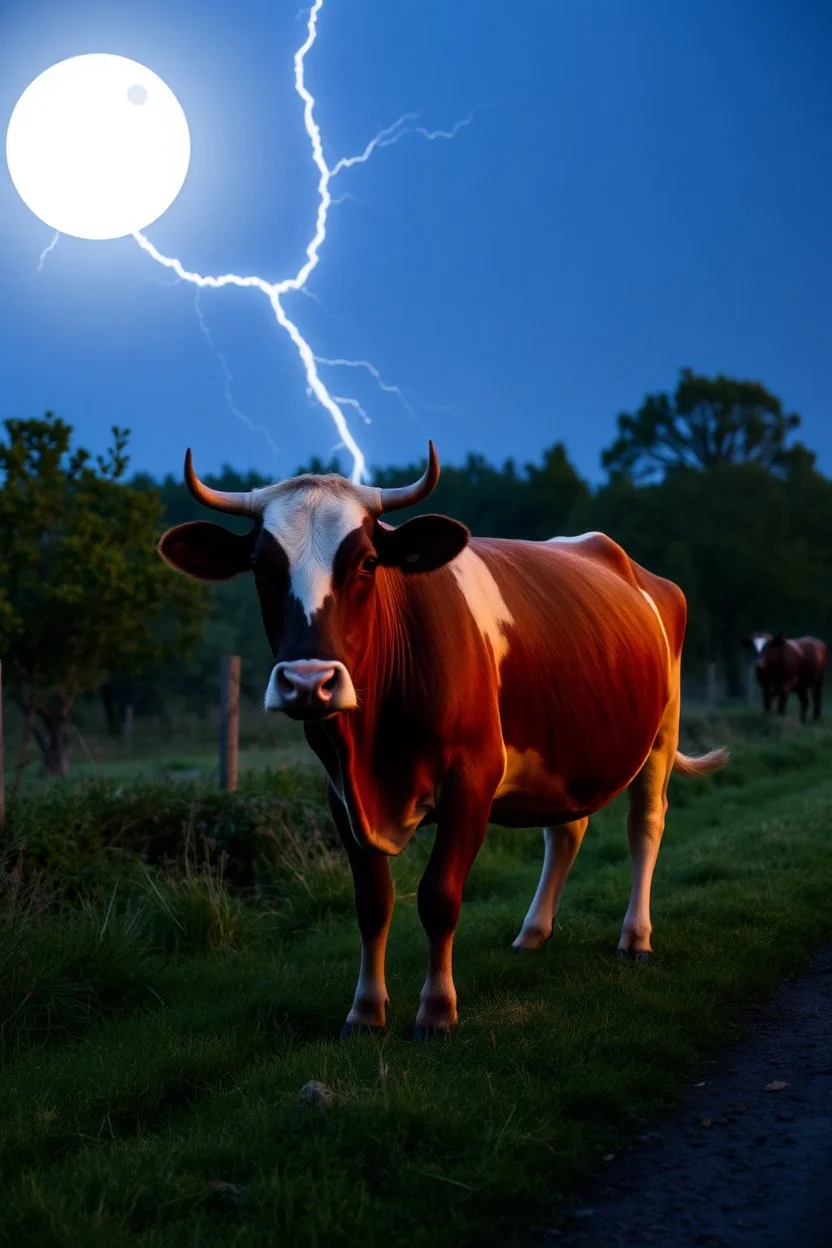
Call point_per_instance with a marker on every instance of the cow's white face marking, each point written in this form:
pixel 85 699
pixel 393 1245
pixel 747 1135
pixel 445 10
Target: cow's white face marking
pixel 485 602
pixel 759 643
pixel 310 524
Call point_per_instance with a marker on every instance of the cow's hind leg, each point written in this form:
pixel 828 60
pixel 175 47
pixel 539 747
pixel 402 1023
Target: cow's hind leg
pixel 645 825
pixel 817 698
pixel 374 897
pixel 803 698
pixel 561 845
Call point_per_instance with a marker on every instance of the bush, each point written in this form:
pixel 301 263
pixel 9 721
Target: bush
pixel 97 832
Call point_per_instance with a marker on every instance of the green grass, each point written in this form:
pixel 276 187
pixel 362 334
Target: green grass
pixel 161 752
pixel 160 1018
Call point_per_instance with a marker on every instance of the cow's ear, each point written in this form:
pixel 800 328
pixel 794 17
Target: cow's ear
pixel 422 544
pixel 779 639
pixel 207 551
pixel 747 641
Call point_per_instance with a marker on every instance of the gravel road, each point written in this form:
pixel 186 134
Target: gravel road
pixel 747 1163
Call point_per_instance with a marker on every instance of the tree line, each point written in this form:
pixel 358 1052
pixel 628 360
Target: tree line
pixel 709 486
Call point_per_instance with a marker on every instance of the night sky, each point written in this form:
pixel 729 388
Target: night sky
pixel 644 186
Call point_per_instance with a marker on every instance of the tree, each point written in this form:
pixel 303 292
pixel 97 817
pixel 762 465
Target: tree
pixel 707 422
pixel 555 491
pixel 496 502
pixel 87 593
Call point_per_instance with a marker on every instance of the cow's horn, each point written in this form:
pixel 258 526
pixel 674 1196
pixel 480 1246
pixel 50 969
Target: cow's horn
pixel 221 500
pixel 406 495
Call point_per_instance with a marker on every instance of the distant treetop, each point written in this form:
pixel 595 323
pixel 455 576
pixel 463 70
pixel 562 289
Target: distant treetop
pixel 708 421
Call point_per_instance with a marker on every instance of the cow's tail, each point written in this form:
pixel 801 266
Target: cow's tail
pixel 702 766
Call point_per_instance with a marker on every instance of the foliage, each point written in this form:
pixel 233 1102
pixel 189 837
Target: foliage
pixel 101 828
pixel 535 504
pixel 88 592
pixel 708 422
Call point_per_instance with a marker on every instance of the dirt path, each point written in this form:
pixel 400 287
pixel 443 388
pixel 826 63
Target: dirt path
pixel 744 1164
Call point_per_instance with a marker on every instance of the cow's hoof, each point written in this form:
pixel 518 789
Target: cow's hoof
pixel 632 955
pixel 531 947
pixel 429 1031
pixel 361 1029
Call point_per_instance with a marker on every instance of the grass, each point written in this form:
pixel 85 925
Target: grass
pixel 161 1010
pixel 162 751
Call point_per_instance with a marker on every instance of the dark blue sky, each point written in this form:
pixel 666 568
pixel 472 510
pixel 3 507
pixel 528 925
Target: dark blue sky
pixel 645 185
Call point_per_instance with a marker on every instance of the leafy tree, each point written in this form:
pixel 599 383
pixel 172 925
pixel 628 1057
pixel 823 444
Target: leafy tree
pixel 555 491
pixel 708 421
pixel 501 502
pixel 86 591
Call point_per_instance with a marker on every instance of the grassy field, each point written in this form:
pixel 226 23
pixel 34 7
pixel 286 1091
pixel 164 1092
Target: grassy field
pixel 187 744
pixel 176 964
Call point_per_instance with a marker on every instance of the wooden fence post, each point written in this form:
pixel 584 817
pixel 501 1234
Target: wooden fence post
pixel 2 766
pixel 229 722
pixel 710 693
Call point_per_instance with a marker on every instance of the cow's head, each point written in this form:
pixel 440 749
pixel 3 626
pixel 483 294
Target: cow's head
pixel 319 553
pixel 765 646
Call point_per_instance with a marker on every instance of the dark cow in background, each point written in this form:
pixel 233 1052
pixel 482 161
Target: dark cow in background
pixel 452 680
pixel 789 665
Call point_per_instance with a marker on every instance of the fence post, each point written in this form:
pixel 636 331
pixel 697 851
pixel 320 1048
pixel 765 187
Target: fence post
pixel 2 763
pixel 710 694
pixel 127 729
pixel 229 721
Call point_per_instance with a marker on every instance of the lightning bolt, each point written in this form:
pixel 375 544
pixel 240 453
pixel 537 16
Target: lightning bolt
pixel 50 247
pixel 355 405
pixel 228 379
pixel 274 291
pixel 383 385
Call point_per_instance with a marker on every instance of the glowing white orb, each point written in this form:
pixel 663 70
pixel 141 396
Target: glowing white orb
pixel 98 146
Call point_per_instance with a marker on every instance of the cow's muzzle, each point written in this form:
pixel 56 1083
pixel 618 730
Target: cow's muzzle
pixel 310 689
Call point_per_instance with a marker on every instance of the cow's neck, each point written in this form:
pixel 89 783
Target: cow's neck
pixel 374 755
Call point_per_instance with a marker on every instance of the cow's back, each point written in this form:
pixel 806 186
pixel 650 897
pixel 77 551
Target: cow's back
pixel 812 659
pixel 586 671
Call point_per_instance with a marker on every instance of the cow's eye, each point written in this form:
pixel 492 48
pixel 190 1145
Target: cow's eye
pixel 369 564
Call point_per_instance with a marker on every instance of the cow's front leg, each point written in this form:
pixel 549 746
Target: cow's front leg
pixel 462 820
pixel 374 897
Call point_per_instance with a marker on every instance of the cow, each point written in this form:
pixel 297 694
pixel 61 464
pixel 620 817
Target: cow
pixel 447 679
pixel 787 665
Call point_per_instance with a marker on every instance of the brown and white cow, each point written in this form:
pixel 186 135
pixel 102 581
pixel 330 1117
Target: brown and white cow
pixel 787 665
pixel 456 680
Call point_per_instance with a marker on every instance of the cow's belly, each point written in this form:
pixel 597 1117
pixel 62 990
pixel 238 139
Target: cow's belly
pixel 531 792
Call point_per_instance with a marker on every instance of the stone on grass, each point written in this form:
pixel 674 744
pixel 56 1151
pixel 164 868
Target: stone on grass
pixel 316 1093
